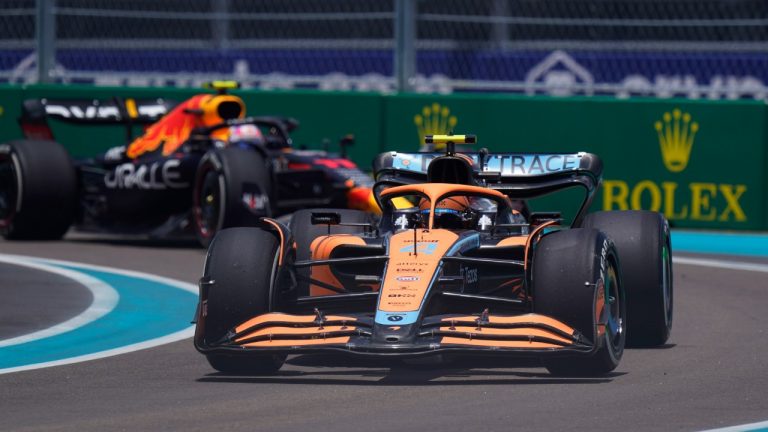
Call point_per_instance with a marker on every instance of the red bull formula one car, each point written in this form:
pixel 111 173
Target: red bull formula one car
pixel 200 166
pixel 451 267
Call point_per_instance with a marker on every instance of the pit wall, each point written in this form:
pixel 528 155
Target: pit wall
pixel 701 163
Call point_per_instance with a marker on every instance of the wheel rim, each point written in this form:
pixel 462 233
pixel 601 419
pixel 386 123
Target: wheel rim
pixel 9 194
pixel 209 204
pixel 666 275
pixel 615 328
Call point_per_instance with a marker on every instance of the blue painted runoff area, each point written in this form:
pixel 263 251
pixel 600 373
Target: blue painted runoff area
pixel 146 310
pixel 747 244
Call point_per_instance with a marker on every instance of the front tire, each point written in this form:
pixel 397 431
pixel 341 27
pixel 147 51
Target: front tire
pixel 38 190
pixel 242 263
pixel 576 280
pixel 643 243
pixel 232 188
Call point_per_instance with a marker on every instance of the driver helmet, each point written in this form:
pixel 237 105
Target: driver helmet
pixel 246 132
pixel 452 212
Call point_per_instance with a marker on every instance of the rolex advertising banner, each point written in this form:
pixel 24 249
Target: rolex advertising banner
pixel 700 163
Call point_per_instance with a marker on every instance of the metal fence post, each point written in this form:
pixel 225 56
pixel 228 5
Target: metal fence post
pixel 405 44
pixel 500 30
pixel 45 34
pixel 220 24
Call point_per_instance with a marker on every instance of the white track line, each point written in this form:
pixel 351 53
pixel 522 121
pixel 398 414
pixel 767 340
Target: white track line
pixel 731 265
pixel 164 280
pixel 105 299
pixel 742 428
pixel 173 337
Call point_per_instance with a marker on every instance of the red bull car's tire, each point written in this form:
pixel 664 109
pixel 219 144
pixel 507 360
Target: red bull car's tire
pixel 37 190
pixel 643 245
pixel 242 265
pixel 232 188
pixel 304 233
pixel 576 279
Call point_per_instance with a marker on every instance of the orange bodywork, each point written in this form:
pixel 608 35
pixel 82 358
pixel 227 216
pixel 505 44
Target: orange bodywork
pixel 513 241
pixel 517 319
pixel 297 342
pixel 321 249
pixel 174 128
pixel 506 332
pixel 497 343
pixel 411 267
pixel 281 330
pixel 465 331
pixel 282 239
pixel 287 318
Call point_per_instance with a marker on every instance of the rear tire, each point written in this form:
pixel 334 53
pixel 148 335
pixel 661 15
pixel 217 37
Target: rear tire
pixel 242 262
pixel 304 233
pixel 644 247
pixel 38 190
pixel 232 188
pixel 574 273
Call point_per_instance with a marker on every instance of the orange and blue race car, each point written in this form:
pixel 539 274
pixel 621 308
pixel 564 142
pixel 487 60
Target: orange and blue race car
pixel 200 166
pixel 451 267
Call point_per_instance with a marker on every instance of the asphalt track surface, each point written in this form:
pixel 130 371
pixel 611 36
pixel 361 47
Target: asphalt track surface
pixel 713 372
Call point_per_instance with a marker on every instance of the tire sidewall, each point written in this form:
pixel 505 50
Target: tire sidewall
pixel 208 164
pixel 641 237
pixel 242 263
pixel 240 172
pixel 46 195
pixel 570 268
pixel 241 268
pixel 7 155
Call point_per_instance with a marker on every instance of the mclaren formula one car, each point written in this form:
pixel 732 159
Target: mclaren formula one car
pixel 451 267
pixel 200 165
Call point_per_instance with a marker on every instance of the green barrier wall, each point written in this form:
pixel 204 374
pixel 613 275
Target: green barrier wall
pixel 701 163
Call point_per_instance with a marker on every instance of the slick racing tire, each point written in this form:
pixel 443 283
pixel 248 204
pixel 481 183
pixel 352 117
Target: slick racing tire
pixel 642 241
pixel 304 233
pixel 576 280
pixel 38 188
pixel 232 188
pixel 242 264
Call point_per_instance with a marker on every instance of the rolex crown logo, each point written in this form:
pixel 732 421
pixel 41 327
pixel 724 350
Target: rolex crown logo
pixel 676 134
pixel 434 119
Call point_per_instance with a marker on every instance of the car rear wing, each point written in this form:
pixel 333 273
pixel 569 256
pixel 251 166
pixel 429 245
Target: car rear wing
pixel 517 175
pixel 115 111
pixel 93 111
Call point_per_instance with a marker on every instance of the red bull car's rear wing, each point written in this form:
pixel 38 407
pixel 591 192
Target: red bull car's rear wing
pixel 115 111
pixel 107 111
